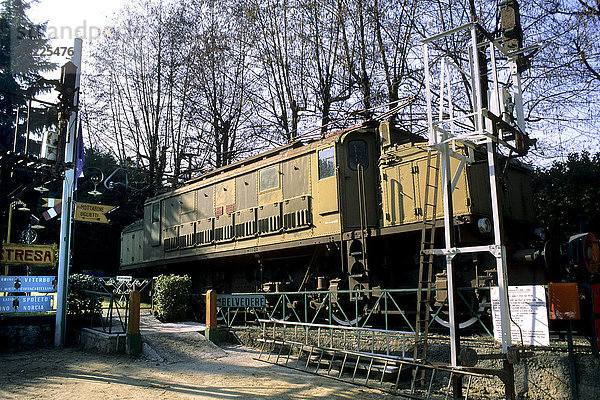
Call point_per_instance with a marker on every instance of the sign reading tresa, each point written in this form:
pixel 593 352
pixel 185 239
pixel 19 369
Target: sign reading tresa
pixel 241 300
pixel 13 253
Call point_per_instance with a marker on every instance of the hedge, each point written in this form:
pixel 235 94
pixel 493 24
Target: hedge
pixel 79 302
pixel 172 294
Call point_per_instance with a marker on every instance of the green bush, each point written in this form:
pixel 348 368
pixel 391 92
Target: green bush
pixel 79 302
pixel 172 297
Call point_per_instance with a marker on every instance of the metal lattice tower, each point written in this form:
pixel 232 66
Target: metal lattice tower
pixel 460 114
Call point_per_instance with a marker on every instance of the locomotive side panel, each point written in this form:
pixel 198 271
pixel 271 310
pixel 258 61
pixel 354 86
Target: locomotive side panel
pixel 245 191
pixel 132 241
pixel 224 197
pixel 296 177
pixel 515 194
pixel 205 202
pixel 404 178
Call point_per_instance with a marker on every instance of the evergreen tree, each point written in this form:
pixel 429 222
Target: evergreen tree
pixel 566 194
pixel 21 43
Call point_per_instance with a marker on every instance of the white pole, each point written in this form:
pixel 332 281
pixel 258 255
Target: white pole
pixel 67 207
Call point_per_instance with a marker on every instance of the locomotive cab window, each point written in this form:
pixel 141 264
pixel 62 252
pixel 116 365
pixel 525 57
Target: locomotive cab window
pixel 326 163
pixel 358 154
pixel 268 178
pixel 155 212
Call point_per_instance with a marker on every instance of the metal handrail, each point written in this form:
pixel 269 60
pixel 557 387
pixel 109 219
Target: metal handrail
pixel 283 308
pixel 114 306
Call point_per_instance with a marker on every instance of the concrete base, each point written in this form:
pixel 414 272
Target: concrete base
pixel 133 344
pixel 218 335
pixel 26 332
pixel 103 342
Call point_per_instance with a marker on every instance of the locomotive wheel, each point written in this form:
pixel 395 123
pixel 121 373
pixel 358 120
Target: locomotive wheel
pixel 464 324
pixel 353 322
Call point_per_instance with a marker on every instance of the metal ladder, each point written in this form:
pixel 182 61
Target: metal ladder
pixel 385 372
pixel 426 257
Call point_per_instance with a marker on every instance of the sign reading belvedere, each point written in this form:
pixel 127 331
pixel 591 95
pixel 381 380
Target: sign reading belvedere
pixel 241 300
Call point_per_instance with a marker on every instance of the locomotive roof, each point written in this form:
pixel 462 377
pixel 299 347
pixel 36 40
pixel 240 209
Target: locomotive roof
pixel 269 154
pixel 273 152
pixel 298 146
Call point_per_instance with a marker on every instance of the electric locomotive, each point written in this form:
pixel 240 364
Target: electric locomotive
pixel 342 212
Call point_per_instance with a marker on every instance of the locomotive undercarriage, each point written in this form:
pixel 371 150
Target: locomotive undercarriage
pixel 355 273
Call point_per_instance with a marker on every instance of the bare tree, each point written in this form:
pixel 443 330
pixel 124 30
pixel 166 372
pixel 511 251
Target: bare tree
pixel 221 81
pixel 328 76
pixel 128 88
pixel 280 57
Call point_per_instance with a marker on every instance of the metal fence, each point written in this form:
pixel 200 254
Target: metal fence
pixel 114 303
pixel 384 308
pixel 114 316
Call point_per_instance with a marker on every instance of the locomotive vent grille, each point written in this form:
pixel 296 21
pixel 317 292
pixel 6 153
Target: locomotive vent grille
pixel 204 237
pixel 297 213
pixel 224 233
pixel 269 219
pixel 171 243
pixel 296 219
pixel 245 229
pixel 270 224
pixel 186 240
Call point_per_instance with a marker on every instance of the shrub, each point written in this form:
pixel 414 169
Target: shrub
pixel 171 297
pixel 79 302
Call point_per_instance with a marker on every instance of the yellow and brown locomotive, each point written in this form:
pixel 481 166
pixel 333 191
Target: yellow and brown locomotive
pixel 342 212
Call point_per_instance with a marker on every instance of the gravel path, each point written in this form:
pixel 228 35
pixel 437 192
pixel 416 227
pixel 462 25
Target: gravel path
pixel 179 363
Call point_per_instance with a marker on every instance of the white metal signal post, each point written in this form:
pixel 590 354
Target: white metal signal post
pixel 67 209
pixel 464 121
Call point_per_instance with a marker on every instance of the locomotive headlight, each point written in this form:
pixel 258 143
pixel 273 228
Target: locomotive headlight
pixel 484 225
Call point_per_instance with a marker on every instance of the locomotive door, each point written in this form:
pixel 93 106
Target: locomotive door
pixel 403 187
pixel 357 157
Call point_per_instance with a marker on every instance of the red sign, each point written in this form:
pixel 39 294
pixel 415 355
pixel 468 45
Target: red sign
pixel 564 301
pixel 596 298
pixel 229 208
pixel 218 211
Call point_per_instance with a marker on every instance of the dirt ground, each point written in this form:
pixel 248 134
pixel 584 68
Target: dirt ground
pixel 72 373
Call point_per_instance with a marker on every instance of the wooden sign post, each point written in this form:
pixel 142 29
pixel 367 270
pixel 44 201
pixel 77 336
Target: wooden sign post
pixel 133 343
pixel 211 331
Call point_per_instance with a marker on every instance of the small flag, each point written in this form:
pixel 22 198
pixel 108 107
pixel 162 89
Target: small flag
pixel 52 212
pixel 50 202
pixel 79 156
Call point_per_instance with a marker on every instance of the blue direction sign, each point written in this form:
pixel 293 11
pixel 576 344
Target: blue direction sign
pixel 27 284
pixel 241 300
pixel 10 304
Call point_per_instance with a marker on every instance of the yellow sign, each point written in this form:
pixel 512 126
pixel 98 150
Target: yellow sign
pixel 32 254
pixel 86 212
